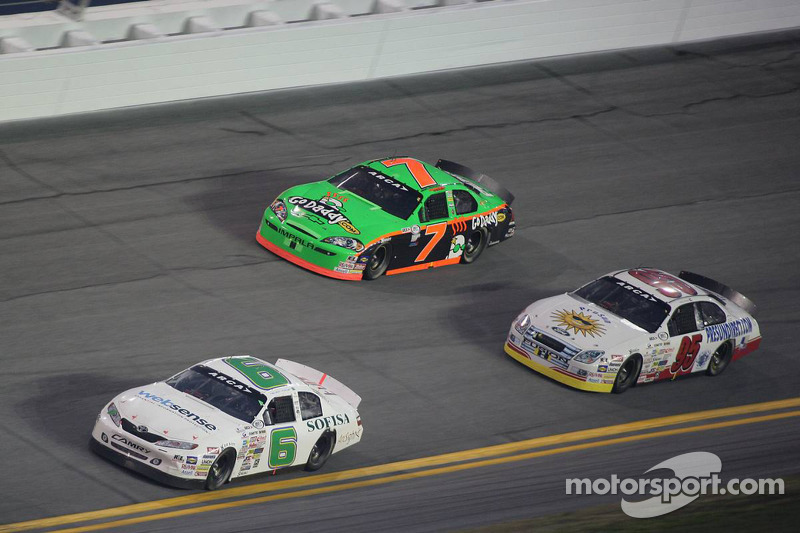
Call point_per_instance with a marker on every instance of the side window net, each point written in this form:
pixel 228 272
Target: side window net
pixel 683 320
pixel 281 410
pixel 435 207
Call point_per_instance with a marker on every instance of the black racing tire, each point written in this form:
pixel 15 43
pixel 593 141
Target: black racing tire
pixel 220 471
pixel 720 360
pixel 628 374
pixel 320 452
pixel 378 262
pixel 474 245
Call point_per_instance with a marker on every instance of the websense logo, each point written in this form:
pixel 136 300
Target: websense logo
pixel 166 402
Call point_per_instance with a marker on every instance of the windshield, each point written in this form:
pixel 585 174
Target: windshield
pixel 219 390
pixel 626 302
pixel 383 191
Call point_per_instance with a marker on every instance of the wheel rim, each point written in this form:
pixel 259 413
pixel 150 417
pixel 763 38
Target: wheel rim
pixel 218 468
pixel 377 258
pixel 315 453
pixel 717 360
pixel 473 243
pixel 318 450
pixel 625 373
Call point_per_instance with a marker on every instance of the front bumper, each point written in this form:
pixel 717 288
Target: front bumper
pixel 521 354
pixel 167 471
pixel 144 469
pixel 326 260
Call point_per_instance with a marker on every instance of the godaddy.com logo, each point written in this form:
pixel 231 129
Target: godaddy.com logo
pixel 693 474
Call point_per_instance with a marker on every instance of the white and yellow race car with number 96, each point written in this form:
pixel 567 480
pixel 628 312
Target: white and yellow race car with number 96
pixel 634 326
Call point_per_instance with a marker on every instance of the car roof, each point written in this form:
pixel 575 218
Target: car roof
pixel 660 284
pixel 222 364
pixel 400 169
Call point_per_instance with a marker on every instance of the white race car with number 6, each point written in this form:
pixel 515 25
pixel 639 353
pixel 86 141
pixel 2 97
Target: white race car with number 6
pixel 226 418
pixel 634 326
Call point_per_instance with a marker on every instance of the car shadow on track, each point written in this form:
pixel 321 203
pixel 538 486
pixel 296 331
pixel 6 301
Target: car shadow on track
pixel 235 202
pixel 69 423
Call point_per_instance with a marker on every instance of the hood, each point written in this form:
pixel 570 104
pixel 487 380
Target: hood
pixel 582 325
pixel 323 210
pixel 174 414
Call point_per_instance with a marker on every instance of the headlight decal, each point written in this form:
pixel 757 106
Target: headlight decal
pixel 179 444
pixel 279 208
pixel 345 242
pixel 588 356
pixel 113 413
pixel 522 323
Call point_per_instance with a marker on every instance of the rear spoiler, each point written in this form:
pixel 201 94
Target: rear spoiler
pixel 320 379
pixel 481 179
pixel 723 290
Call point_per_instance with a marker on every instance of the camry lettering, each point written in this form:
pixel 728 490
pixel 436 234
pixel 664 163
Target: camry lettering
pixel 327 422
pixel 166 402
pixel 123 440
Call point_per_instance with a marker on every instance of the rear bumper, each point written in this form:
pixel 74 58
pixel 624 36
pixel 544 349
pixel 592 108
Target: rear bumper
pixel 744 349
pixel 143 468
pixel 553 372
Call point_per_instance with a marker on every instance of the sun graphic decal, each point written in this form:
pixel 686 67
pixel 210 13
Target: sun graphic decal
pixel 579 323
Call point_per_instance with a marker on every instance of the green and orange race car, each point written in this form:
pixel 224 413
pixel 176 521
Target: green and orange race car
pixel 388 216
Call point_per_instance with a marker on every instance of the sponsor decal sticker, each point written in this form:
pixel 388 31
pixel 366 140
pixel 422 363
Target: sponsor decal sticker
pixel 456 247
pixel 729 330
pixel 185 413
pixel 481 221
pixel 327 422
pixel 579 322
pixel 325 209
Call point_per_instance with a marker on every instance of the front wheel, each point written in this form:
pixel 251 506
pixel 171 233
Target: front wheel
pixel 720 360
pixel 320 452
pixel 220 471
pixel 476 242
pixel 627 374
pixel 378 263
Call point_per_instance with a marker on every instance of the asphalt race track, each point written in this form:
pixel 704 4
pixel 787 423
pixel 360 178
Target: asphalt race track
pixel 127 253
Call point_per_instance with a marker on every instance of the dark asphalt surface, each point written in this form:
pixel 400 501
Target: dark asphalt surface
pixel 127 253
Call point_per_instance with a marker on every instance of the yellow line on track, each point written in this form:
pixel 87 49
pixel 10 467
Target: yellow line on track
pixel 424 462
pixel 428 473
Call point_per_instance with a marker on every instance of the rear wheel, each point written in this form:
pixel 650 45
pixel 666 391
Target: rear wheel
pixel 320 452
pixel 378 263
pixel 627 374
pixel 476 242
pixel 220 471
pixel 720 360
